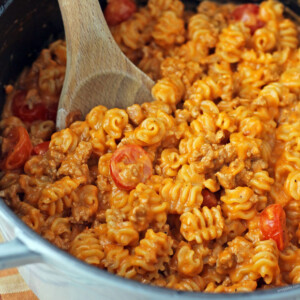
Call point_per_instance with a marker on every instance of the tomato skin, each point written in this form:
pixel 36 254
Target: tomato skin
pixel 41 148
pixel 52 112
pixel 20 146
pixel 21 110
pixel 249 15
pixel 273 224
pixel 118 11
pixel 130 155
pixel 209 198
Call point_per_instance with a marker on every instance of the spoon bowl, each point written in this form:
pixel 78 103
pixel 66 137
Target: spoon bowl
pixel 97 70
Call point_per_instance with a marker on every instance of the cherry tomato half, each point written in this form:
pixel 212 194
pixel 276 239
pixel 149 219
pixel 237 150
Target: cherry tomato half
pixel 20 148
pixel 21 110
pixel 41 148
pixel 52 112
pixel 118 11
pixel 129 166
pixel 209 198
pixel 273 224
pixel 249 15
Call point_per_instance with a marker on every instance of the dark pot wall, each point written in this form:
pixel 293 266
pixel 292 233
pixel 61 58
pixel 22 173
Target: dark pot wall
pixel 25 27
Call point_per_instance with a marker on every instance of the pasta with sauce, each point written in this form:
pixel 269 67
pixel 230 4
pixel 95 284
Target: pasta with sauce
pixel 197 190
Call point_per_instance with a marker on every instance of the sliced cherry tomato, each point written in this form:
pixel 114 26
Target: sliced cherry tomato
pixel 41 148
pixel 209 198
pixel 273 224
pixel 20 146
pixel 21 110
pixel 52 112
pixel 118 11
pixel 249 15
pixel 129 166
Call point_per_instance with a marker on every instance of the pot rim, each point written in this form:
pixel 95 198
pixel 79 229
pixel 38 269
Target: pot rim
pixel 52 255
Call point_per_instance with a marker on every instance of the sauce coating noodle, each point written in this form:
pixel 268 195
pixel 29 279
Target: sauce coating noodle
pixel 219 145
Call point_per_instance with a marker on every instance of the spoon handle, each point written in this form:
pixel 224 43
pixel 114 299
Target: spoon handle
pixel 96 67
pixel 87 35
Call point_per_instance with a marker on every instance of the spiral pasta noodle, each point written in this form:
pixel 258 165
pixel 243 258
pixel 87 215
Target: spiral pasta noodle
pixel 86 247
pixel 197 190
pixel 265 260
pixel 203 225
pixel 181 196
pixel 239 203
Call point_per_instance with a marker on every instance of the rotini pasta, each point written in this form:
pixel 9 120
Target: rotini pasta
pixel 198 190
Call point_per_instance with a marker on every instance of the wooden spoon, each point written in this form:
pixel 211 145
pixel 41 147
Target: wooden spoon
pixel 97 71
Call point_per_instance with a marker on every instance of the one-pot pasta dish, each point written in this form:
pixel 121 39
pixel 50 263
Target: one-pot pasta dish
pixel 198 190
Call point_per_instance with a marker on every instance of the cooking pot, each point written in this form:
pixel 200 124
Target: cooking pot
pixel 27 26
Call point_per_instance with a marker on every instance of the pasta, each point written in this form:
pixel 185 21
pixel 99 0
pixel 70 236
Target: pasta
pixel 198 190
